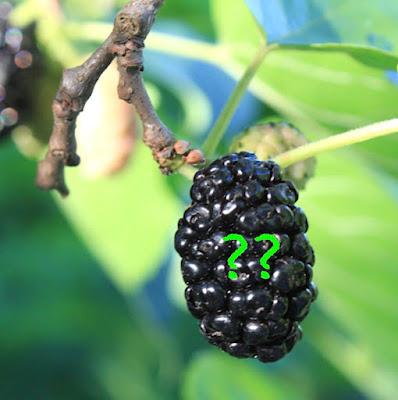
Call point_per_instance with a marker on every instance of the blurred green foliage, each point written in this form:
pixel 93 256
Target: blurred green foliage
pixel 91 299
pixel 116 208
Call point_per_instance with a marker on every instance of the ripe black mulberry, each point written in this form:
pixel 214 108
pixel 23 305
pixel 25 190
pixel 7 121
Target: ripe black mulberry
pixel 249 316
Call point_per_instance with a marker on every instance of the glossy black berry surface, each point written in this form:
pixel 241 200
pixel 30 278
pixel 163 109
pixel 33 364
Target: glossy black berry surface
pixel 249 316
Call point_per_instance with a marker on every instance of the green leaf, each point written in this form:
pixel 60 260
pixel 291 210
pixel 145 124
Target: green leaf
pixel 196 13
pixel 351 358
pixel 175 283
pixel 322 21
pixel 126 220
pixel 74 9
pixel 174 85
pixel 330 89
pixel 216 376
pixel 369 56
pixel 328 86
pixel 323 88
pixel 383 153
pixel 238 31
pixel 333 88
pixel 353 228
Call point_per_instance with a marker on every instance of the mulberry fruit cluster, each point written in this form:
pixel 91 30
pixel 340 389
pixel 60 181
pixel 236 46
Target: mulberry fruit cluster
pixel 249 316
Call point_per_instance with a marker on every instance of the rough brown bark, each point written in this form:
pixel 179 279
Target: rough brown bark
pixel 126 43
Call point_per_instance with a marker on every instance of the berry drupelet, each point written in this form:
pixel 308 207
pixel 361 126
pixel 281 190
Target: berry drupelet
pixel 249 316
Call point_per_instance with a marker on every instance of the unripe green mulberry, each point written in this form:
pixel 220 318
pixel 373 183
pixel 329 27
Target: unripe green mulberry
pixel 273 138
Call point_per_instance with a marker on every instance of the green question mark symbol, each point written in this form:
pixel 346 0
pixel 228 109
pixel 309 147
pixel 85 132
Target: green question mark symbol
pixel 237 253
pixel 268 254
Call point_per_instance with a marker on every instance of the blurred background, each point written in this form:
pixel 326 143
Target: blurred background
pixel 91 299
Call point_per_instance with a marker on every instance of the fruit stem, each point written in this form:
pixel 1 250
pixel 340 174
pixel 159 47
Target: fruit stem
pixel 354 136
pixel 187 171
pixel 216 134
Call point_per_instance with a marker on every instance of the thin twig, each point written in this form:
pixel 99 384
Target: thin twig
pixel 354 136
pixel 221 125
pixel 126 42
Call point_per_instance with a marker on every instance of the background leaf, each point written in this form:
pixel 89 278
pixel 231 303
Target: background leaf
pixel 244 29
pixel 323 21
pixel 216 376
pixel 356 263
pixel 60 313
pixel 352 80
pixel 124 219
pixel 331 86
pixel 326 88
pixel 196 13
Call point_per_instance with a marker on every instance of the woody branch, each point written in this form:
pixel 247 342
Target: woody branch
pixel 125 43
